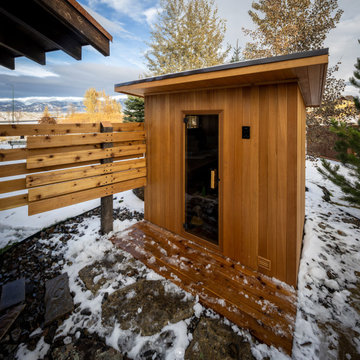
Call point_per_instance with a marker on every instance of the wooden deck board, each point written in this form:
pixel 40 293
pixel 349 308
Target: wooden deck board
pixel 245 297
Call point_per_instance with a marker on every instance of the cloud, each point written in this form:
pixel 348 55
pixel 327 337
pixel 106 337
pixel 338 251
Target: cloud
pixel 133 8
pixel 31 70
pixel 115 28
pixel 151 14
pixel 72 81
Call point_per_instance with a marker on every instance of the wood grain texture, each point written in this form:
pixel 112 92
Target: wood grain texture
pixel 216 280
pixel 13 202
pixel 40 206
pixel 75 128
pixel 36 142
pixel 83 155
pixel 12 185
pixel 66 187
pixel 82 172
pixel 261 201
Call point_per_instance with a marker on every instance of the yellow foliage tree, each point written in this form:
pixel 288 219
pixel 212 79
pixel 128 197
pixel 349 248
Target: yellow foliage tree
pixel 46 117
pixel 99 107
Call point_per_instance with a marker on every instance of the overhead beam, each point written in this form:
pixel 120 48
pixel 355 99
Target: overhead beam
pixel 69 16
pixel 50 31
pixel 12 38
pixel 7 58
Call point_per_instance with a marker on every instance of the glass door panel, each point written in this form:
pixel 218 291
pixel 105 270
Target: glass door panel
pixel 201 176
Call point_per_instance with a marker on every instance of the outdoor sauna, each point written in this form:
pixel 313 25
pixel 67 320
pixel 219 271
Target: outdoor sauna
pixel 226 156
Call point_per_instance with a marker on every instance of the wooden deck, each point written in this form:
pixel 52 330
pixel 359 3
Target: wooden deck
pixel 245 297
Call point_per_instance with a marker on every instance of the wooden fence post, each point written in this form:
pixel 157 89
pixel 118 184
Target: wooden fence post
pixel 106 201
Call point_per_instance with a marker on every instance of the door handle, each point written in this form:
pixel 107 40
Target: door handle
pixel 213 179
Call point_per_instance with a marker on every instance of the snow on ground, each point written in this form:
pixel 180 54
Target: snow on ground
pixel 16 225
pixel 330 259
pixel 327 325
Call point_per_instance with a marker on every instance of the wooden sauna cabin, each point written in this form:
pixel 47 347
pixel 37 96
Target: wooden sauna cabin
pixel 226 156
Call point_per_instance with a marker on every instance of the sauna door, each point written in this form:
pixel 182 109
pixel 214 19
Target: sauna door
pixel 201 176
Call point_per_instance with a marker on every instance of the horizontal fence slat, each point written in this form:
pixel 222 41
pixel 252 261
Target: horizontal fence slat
pixel 83 172
pixel 12 154
pixel 132 126
pixel 13 202
pixel 21 169
pixel 12 185
pixel 50 191
pixel 76 128
pixel 40 206
pixel 45 129
pixel 80 156
pixel 36 142
pixel 23 153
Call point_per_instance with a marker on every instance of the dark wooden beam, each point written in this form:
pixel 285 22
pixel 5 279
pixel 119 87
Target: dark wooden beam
pixel 50 30
pixel 12 38
pixel 106 201
pixel 7 58
pixel 70 17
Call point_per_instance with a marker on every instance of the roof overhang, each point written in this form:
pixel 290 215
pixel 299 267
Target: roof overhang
pixel 307 68
pixel 33 27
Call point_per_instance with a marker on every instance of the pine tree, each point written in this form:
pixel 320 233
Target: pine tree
pixel 188 34
pixel 134 109
pixel 288 26
pixel 355 81
pixel 237 53
pixel 348 148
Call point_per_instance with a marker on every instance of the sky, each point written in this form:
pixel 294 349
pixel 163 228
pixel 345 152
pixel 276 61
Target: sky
pixel 129 22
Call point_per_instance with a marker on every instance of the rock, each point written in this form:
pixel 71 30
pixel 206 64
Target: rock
pixel 15 334
pixel 67 352
pixel 157 349
pixel 8 319
pixel 110 354
pixel 212 339
pixel 12 293
pixel 331 274
pixel 86 312
pixel 139 192
pixel 95 275
pixel 58 300
pixel 49 333
pixel 157 307
pixel 341 233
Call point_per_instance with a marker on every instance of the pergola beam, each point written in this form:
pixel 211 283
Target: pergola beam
pixel 6 58
pixel 18 42
pixel 56 34
pixel 64 11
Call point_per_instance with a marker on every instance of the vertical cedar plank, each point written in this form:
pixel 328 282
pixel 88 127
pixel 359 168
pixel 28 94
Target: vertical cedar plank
pixel 272 154
pixel 253 193
pixel 263 169
pixel 106 201
pixel 281 169
pixel 291 236
pixel 147 124
pixel 301 173
pixel 259 176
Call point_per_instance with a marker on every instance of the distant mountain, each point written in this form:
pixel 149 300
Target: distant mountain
pixel 55 105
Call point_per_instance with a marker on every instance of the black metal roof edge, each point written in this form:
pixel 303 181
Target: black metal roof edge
pixel 268 60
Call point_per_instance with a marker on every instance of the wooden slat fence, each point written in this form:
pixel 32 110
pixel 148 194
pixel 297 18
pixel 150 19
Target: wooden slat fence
pixel 63 164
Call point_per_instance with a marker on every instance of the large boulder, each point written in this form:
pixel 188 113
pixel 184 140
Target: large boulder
pixel 145 307
pixel 212 339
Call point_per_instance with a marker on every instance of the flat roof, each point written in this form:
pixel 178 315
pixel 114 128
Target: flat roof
pixel 307 68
